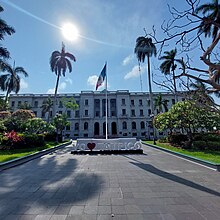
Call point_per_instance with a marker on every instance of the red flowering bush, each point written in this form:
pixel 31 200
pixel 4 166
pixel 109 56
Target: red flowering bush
pixel 12 139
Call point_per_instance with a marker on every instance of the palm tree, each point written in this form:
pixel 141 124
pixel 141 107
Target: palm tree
pixel 169 65
pixel 46 106
pixel 59 63
pixel 211 12
pixel 5 29
pixel 10 82
pixel 161 103
pixel 145 48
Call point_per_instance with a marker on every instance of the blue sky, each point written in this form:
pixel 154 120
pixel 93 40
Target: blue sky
pixel 108 30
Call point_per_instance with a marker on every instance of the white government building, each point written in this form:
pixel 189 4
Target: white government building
pixel 129 113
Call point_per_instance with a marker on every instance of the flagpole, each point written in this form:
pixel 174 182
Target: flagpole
pixel 106 106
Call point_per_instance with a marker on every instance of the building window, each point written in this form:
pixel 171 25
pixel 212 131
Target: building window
pixel 132 102
pixel 69 114
pixel 160 133
pixel 123 101
pixel 124 125
pixel 141 112
pixel 113 113
pixel 142 125
pixel 86 125
pixel 148 102
pixel 86 102
pixel 134 134
pixel 77 114
pixel 143 134
pixel 149 111
pixel 60 112
pixel 35 104
pixel 42 114
pixel 173 101
pixel 86 112
pixel 97 113
pixel 132 112
pixel 133 125
pixel 77 126
pixel 12 103
pixel 19 103
pixel 140 102
pixel 35 112
pixel 85 135
pixel 51 113
pixel 68 128
pixel 123 111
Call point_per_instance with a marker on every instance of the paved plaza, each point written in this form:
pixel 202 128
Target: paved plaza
pixel 154 185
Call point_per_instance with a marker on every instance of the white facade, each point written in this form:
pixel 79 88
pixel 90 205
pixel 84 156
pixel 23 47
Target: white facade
pixel 128 112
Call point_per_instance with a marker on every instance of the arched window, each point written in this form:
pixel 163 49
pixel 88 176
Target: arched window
pixel 77 126
pixel 142 125
pixel 124 125
pixel 86 125
pixel 133 125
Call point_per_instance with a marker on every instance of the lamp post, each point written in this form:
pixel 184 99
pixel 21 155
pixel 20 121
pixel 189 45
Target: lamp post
pixel 154 131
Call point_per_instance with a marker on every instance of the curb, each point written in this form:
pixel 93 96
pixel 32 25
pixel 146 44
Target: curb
pixel 18 161
pixel 202 162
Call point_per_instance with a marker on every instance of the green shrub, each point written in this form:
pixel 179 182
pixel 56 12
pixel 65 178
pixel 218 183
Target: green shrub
pixel 213 145
pixel 33 140
pixel 206 137
pixel 200 145
pixel 177 139
pixel 163 140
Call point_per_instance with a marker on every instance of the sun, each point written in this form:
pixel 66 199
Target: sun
pixel 70 32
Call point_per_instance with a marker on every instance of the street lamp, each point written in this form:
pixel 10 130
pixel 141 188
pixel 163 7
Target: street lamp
pixel 154 131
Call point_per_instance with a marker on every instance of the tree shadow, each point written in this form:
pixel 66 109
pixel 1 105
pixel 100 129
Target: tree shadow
pixel 46 182
pixel 172 177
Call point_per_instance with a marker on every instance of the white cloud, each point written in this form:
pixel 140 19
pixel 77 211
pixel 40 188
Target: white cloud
pixel 68 80
pixel 135 72
pixel 92 80
pixel 23 84
pixel 62 86
pixel 127 60
pixel 51 91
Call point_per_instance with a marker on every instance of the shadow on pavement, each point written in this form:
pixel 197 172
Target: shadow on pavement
pixel 172 177
pixel 46 182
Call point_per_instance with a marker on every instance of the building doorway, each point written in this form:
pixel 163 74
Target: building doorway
pixel 114 128
pixel 96 128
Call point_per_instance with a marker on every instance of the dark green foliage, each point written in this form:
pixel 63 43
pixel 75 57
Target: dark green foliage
pixel 199 145
pixel 177 140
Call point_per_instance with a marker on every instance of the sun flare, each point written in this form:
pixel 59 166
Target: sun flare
pixel 70 32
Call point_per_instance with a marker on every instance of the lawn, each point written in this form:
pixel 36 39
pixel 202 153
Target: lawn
pixel 210 156
pixel 6 155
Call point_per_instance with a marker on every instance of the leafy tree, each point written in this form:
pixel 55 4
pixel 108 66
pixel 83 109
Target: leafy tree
pixel 169 66
pixel 146 48
pixel 10 82
pixel 46 107
pixel 70 103
pixel 35 126
pixel 189 118
pixel 25 105
pixel 161 103
pixel 4 115
pixel 59 63
pixel 60 122
pixel 3 105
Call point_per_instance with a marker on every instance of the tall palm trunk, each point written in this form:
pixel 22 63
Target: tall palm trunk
pixel 55 95
pixel 149 84
pixel 151 98
pixel 174 84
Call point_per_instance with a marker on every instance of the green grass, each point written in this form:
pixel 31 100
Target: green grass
pixel 6 155
pixel 211 156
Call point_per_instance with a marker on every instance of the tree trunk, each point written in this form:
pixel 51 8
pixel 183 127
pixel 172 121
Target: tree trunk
pixel 174 84
pixel 151 96
pixel 55 96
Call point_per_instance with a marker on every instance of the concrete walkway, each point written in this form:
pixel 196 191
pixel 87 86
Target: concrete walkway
pixel 154 186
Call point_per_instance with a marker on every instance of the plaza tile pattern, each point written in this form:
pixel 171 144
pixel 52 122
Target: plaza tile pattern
pixel 154 185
